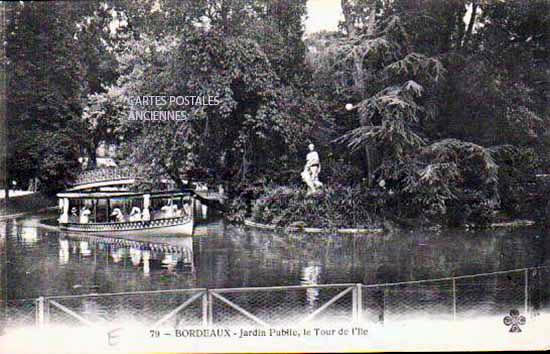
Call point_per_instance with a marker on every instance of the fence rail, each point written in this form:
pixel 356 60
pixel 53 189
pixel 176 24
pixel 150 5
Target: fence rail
pixel 525 289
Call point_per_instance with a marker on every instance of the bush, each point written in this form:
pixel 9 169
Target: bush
pixel 336 206
pixel 451 182
pixel 338 172
pixel 242 198
pixel 517 167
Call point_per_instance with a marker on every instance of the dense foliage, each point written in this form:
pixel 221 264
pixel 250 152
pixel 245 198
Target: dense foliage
pixel 54 58
pixel 447 102
pixel 261 114
pixel 336 206
pixel 444 114
pixel 44 93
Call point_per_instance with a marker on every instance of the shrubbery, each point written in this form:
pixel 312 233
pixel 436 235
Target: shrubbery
pixel 335 206
pixel 450 182
pixel 516 172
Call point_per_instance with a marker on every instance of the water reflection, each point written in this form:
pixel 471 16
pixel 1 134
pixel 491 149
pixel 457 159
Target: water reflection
pixel 63 251
pixel 85 250
pixel 44 262
pixel 146 255
pixel 311 275
pixel 93 310
pixel 135 256
pixel 29 234
pixel 123 252
pixel 170 262
pixel 117 254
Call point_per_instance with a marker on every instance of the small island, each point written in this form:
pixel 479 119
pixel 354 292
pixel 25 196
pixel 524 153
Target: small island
pixel 412 125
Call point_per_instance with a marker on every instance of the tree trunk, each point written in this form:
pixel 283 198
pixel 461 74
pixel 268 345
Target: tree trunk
pixel 92 163
pixel 360 86
pixel 470 24
pixel 348 17
pixel 459 23
pixel 3 277
pixel 359 74
pixel 244 166
pixel 224 14
pixel 4 180
pixel 173 173
pixel 179 183
pixel 372 21
pixel 6 192
pixel 369 166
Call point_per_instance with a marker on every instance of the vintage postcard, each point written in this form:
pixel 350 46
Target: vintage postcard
pixel 274 176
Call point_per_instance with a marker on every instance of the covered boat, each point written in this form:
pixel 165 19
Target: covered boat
pixel 167 213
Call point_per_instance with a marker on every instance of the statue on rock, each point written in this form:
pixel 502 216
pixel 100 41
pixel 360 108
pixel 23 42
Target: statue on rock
pixel 310 174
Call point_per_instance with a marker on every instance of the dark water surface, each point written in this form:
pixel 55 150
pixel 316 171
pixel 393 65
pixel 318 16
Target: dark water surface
pixel 43 262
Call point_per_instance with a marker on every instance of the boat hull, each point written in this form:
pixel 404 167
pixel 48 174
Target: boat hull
pixel 179 226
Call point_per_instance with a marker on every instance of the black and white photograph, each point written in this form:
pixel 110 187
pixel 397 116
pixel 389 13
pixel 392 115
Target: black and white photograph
pixel 206 176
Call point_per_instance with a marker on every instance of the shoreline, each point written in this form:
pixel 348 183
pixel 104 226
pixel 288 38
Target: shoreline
pixel 26 213
pixel 307 229
pixel 248 222
pixel 497 225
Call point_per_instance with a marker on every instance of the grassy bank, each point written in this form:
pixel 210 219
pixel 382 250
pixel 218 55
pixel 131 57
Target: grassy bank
pixel 26 203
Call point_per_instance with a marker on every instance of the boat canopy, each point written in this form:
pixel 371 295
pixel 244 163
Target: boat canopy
pixel 117 194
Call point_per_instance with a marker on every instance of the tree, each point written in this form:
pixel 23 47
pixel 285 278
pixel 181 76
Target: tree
pixel 378 65
pixel 4 183
pixel 44 93
pixel 261 114
pixel 449 180
pixel 427 71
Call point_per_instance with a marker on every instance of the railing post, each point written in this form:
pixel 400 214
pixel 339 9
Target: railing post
pixel 359 301
pixel 46 311
pixel 384 305
pixel 454 299
pixel 210 308
pixel 205 308
pixel 526 300
pixel 354 304
pixel 40 312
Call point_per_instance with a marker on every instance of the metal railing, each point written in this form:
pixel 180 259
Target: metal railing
pixel 524 289
pixel 105 174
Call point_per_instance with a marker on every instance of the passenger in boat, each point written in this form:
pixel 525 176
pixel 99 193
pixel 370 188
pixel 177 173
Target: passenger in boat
pixel 119 217
pixel 170 210
pixel 135 214
pixel 145 215
pixel 85 215
pixel 186 208
pixel 175 210
pixel 74 214
pixel 167 210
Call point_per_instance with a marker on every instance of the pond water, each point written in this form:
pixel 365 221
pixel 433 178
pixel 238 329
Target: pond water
pixel 43 262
